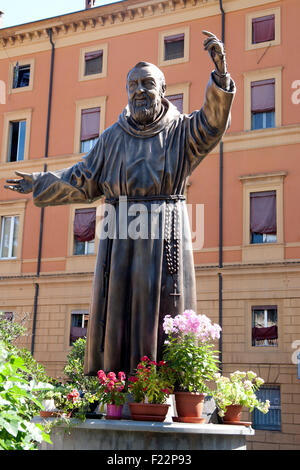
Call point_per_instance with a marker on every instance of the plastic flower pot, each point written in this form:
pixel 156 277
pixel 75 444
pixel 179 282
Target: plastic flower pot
pixel 114 411
pixel 148 411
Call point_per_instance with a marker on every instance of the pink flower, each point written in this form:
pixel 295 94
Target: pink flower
pixel 145 359
pixel 110 385
pixel 120 388
pixel 112 376
pixel 121 376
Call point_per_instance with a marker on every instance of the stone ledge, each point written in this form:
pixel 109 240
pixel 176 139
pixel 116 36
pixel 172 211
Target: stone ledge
pixel 124 434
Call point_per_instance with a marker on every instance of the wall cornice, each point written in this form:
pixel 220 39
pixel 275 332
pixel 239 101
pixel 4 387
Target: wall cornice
pixel 109 20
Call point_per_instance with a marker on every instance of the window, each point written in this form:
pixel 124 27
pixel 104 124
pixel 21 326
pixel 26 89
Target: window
pixel 263 221
pixel 264 326
pixel 177 100
pixel 270 421
pixel 84 231
pixel 263 224
pixel 79 322
pixel 9 237
pixel 90 123
pixel 17 133
pixel 173 46
pixel 263 29
pixel 21 76
pixel 7 316
pixel 263 104
pixel 93 62
pixel 263 99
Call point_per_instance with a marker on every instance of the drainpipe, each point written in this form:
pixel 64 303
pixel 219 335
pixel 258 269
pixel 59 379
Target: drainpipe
pixel 37 286
pixel 221 221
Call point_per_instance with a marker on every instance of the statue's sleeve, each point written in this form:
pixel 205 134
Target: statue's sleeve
pixel 76 184
pixel 205 128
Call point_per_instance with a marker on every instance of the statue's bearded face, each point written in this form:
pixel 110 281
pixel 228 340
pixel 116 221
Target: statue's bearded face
pixel 145 91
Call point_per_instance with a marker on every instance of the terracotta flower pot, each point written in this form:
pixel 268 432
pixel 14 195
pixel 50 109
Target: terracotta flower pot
pixel 189 407
pixel 148 411
pixel 233 414
pixel 114 411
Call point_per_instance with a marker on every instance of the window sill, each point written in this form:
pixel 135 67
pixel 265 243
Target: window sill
pixel 10 266
pixel 263 252
pixel 81 263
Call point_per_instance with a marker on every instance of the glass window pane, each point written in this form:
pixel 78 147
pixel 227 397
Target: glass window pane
pixel 174 50
pixel 79 248
pixel 15 237
pixel 87 145
pixel 90 247
pixel 270 119
pixel 21 140
pixel 257 121
pixel 5 236
pixel 93 66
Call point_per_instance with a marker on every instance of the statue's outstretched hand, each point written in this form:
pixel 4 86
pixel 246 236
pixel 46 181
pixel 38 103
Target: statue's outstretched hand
pixel 23 185
pixel 215 47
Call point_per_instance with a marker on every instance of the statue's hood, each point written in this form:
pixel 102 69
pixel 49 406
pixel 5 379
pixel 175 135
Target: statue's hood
pixel 170 113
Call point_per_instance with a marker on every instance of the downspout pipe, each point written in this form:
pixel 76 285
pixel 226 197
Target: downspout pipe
pixel 220 279
pixel 37 286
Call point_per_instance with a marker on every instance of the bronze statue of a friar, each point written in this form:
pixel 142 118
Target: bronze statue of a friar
pixel 143 159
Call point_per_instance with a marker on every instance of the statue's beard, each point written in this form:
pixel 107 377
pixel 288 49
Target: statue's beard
pixel 144 112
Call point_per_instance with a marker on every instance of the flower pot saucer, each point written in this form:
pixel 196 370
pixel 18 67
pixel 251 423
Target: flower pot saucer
pixel 138 417
pixel 238 423
pixel 188 419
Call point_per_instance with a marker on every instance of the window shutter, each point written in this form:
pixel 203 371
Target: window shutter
pixel 76 333
pixel 174 46
pixel 84 224
pixel 90 123
pixel 263 29
pixel 263 96
pixel 176 100
pixel 272 419
pixel 263 212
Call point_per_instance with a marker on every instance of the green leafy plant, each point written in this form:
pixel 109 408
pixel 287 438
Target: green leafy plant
pixel 239 389
pixel 112 389
pixel 18 404
pixel 74 369
pixel 152 383
pixel 189 350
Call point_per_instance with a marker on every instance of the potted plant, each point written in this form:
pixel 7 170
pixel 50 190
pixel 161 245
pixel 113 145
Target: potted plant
pixel 189 351
pixel 150 387
pixel 235 392
pixel 112 393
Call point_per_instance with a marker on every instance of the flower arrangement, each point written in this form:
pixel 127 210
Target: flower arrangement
pixel 239 389
pixel 152 383
pixel 189 350
pixel 112 388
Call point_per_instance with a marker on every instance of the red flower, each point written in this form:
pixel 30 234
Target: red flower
pixel 133 379
pixel 145 359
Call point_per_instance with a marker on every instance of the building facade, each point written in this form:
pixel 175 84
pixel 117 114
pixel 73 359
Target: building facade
pixel 62 82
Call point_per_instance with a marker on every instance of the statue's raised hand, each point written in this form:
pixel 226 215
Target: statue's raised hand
pixel 23 185
pixel 215 47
